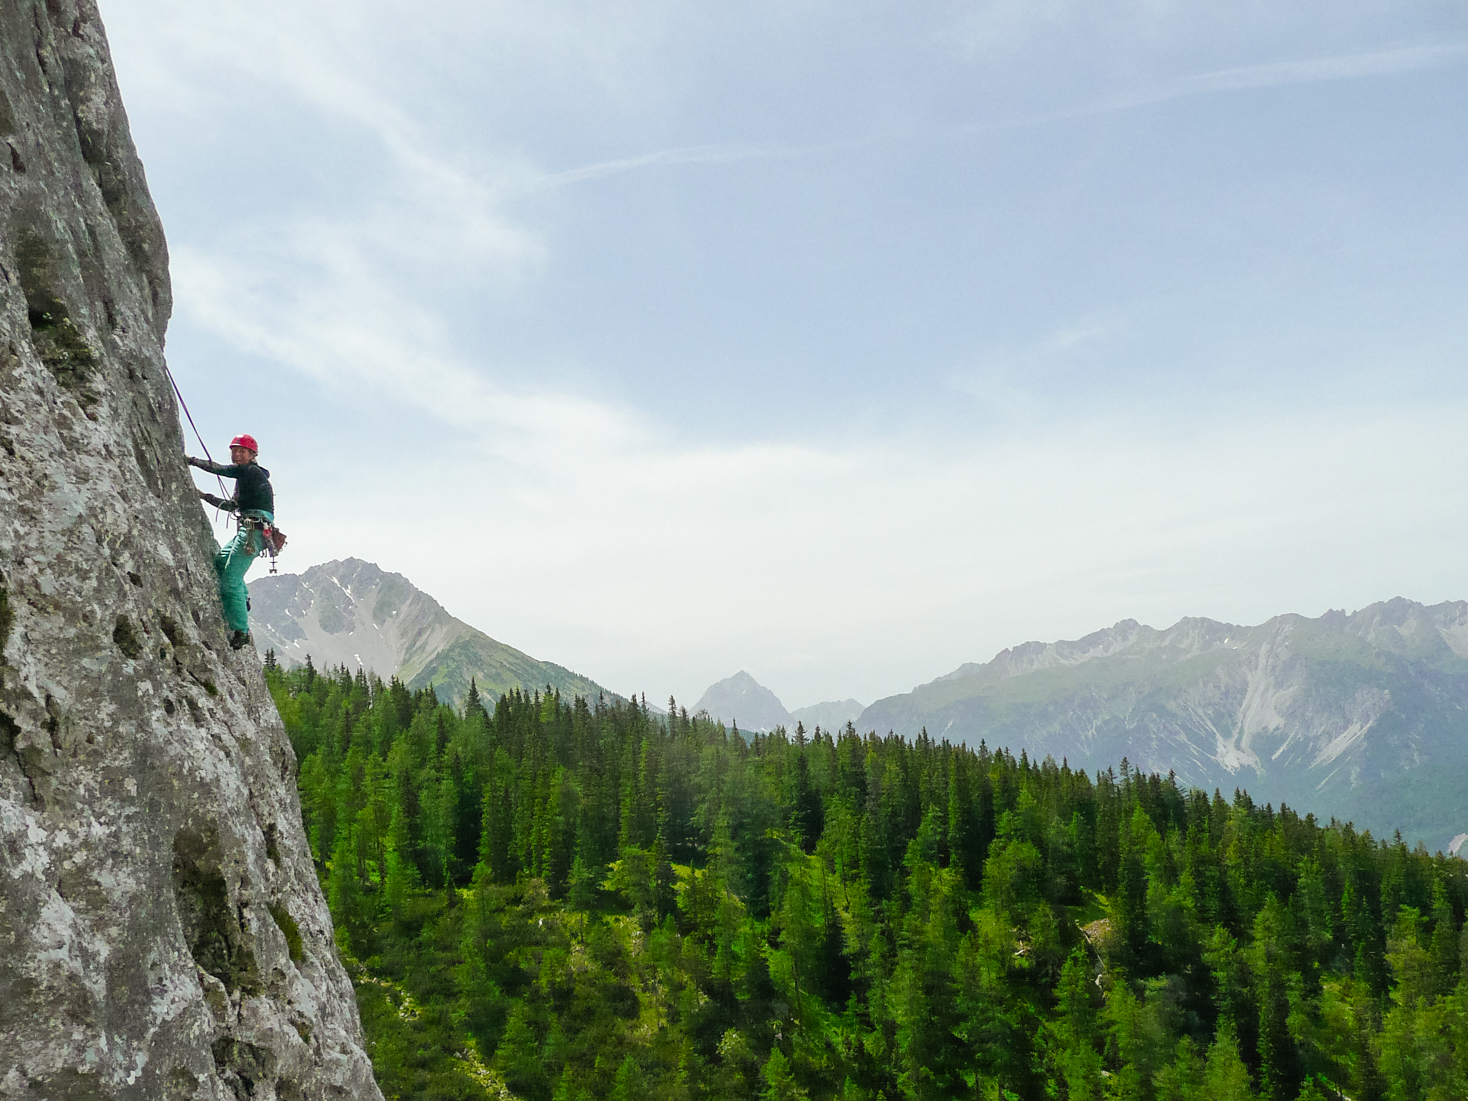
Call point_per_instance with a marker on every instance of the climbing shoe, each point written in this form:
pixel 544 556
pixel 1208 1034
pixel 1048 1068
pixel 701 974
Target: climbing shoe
pixel 239 640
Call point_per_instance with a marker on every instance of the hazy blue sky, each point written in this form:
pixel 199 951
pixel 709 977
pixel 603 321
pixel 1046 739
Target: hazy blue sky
pixel 843 343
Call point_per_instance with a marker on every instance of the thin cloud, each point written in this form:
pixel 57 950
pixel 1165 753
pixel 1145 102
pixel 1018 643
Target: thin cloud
pixel 707 153
pixel 1380 63
pixel 1243 78
pixel 1276 74
pixel 360 333
pixel 1246 78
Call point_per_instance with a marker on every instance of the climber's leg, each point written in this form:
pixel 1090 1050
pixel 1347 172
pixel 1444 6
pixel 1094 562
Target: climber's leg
pixel 231 563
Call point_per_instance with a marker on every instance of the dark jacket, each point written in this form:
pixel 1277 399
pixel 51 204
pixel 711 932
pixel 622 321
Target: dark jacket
pixel 252 490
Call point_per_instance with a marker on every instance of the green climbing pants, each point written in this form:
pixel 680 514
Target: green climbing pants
pixel 231 563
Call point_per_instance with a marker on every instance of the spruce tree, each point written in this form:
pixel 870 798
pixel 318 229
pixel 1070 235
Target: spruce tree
pixel 344 893
pixel 1076 1031
pixel 1445 962
pixel 779 1079
pixel 1226 1078
pixel 401 878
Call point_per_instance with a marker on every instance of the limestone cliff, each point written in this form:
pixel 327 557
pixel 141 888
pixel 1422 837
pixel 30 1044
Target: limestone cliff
pixel 162 933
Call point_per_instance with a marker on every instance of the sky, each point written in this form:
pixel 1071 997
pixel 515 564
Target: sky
pixel 842 343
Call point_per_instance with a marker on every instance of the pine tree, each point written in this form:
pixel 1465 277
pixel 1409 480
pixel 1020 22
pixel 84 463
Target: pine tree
pixel 1279 1072
pixel 1076 1031
pixel 518 1056
pixel 806 814
pixel 780 1084
pixel 581 893
pixel 401 878
pixel 1226 1077
pixel 344 893
pixel 1131 891
pixel 630 1084
pixel 1445 962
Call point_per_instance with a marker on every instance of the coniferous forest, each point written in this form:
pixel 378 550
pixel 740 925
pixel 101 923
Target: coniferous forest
pixel 556 899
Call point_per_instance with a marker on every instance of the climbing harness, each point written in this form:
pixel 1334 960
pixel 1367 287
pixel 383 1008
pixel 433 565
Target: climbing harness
pixel 272 538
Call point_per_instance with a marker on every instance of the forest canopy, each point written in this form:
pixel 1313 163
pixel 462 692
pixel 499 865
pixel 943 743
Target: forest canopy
pixel 567 900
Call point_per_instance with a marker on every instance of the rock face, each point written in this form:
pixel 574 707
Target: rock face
pixel 352 613
pixel 1362 716
pixel 162 932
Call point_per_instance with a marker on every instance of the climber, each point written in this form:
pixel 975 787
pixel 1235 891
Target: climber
pixel 253 503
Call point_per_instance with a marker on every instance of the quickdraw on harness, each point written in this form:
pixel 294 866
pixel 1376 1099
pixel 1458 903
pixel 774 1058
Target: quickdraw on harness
pixel 272 539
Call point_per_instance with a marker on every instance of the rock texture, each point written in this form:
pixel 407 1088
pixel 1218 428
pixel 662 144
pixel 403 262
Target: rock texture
pixel 352 613
pixel 162 932
pixel 1362 716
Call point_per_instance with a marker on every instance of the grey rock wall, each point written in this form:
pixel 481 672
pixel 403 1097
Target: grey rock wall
pixel 162 933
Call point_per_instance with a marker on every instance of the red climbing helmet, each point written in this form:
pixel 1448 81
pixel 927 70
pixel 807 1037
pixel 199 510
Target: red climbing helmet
pixel 244 439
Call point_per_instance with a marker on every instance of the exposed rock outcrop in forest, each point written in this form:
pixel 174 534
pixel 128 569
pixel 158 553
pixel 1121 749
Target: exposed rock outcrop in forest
pixel 162 932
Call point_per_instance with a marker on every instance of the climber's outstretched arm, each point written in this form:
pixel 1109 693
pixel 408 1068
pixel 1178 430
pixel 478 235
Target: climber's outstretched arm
pixel 228 470
pixel 226 503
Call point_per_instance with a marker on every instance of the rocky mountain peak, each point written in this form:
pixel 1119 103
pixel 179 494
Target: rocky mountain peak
pixel 353 613
pixel 743 699
pixel 163 931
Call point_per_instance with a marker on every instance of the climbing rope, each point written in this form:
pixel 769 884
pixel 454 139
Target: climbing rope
pixel 185 407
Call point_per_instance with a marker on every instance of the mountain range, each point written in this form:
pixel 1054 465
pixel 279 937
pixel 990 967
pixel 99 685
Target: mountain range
pixel 1363 715
pixel 352 613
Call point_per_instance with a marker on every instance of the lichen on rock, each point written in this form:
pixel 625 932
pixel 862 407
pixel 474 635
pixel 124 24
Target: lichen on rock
pixel 162 931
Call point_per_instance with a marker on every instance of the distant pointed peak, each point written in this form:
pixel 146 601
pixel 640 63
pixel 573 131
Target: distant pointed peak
pixel 742 697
